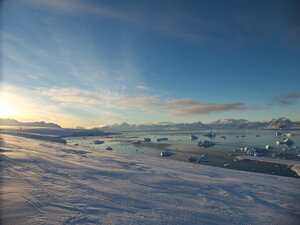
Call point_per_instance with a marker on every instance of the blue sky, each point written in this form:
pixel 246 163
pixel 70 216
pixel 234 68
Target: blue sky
pixel 92 63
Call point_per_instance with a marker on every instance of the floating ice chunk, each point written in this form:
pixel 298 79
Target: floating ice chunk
pixel 248 148
pixel 210 134
pixel 165 154
pixel 277 155
pixel 285 141
pixel 202 158
pixel 257 154
pixel 288 141
pixel 162 139
pixel 193 137
pixel 239 158
pixel 192 158
pixel 147 139
pixel 205 143
pixel 268 147
pixel 289 134
pixel 251 152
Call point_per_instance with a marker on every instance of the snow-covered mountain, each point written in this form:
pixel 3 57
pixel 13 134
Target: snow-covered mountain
pixel 280 123
pixel 12 122
pixel 228 123
pixel 158 126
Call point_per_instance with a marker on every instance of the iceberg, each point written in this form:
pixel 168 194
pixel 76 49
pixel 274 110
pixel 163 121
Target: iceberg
pixel 162 139
pixel 165 154
pixel 97 142
pixel 288 141
pixel 285 141
pixel 210 134
pixel 193 137
pixel 147 139
pixel 268 147
pixel 202 158
pixel 205 143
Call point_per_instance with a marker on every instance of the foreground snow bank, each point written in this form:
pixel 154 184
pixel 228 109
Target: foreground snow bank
pixel 52 183
pixel 49 134
pixel 35 136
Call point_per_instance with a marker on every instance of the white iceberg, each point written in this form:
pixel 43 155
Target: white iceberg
pixel 268 147
pixel 285 141
pixel 205 143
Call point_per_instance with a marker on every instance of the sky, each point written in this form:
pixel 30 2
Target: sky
pixel 93 63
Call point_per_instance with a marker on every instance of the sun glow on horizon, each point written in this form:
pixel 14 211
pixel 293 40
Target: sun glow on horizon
pixel 7 109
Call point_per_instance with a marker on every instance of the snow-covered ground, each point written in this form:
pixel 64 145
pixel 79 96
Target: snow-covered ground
pixel 52 183
pixel 47 133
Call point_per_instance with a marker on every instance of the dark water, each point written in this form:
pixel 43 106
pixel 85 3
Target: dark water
pixel 179 143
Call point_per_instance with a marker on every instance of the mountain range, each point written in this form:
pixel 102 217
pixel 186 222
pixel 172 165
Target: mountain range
pixel 158 126
pixel 13 122
pixel 280 123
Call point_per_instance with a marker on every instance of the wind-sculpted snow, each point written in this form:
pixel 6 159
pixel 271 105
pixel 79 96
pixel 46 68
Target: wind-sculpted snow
pixel 52 183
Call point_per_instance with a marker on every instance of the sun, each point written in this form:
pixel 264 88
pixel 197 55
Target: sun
pixel 6 109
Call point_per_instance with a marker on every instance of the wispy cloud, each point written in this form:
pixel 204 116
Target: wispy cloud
pixel 113 100
pixel 177 107
pixel 158 22
pixel 75 106
pixel 285 99
pixel 143 87
pixel 78 7
pixel 31 108
pixel 188 106
pixel 32 76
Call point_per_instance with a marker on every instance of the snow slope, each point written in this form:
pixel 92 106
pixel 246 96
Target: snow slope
pixel 52 183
